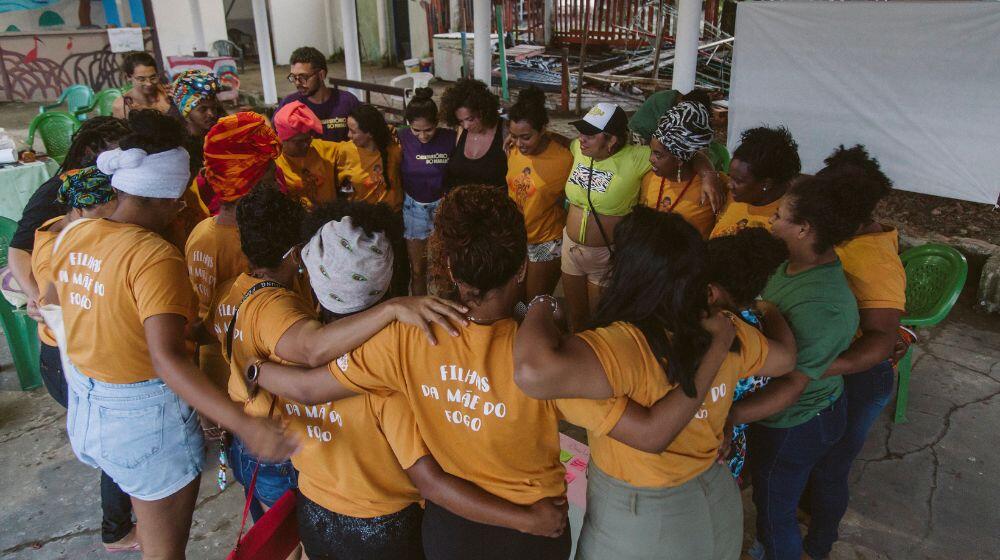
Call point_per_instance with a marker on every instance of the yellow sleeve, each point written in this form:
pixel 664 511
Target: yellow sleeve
pixel 375 365
pixel 621 354
pixel 597 417
pixel 399 426
pixel 273 319
pixel 161 286
pixel 753 348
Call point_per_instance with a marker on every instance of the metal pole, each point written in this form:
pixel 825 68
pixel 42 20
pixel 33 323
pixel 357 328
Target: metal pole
pixel 658 42
pixel 465 45
pixel 686 45
pixel 352 52
pixel 503 54
pixel 564 101
pixel 583 56
pixel 263 29
pixel 482 46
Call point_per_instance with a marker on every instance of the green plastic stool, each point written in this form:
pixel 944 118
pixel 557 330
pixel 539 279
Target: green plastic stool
pixel 103 103
pixel 57 129
pixel 935 276
pixel 76 97
pixel 20 329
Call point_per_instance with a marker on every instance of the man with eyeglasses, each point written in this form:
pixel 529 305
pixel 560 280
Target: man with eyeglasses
pixel 332 106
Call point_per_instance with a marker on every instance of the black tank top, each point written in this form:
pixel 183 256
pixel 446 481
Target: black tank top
pixel 491 169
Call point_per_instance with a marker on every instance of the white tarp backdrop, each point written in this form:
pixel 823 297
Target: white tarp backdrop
pixel 917 82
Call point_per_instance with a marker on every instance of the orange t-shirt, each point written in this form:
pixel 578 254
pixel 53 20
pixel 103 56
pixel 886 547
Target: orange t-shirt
pixel 538 184
pixel 41 269
pixel 111 277
pixel 633 371
pixel 873 269
pixel 474 419
pixel 354 452
pixel 682 198
pixel 738 215
pixel 260 323
pixel 311 178
pixel 363 170
pixel 213 255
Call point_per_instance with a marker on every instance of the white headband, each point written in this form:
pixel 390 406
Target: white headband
pixel 349 270
pixel 159 175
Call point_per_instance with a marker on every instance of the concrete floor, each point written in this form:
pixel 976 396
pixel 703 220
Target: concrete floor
pixel 925 489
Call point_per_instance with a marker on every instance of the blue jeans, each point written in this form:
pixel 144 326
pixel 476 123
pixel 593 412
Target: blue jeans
pixel 273 479
pixel 867 394
pixel 783 460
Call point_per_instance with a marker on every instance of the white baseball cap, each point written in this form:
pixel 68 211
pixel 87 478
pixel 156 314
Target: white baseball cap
pixel 603 117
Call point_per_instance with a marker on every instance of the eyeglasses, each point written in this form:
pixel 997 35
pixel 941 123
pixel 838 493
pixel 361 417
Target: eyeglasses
pixel 301 78
pixel 145 79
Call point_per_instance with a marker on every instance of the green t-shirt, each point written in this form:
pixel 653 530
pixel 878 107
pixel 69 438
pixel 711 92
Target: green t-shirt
pixel 647 117
pixel 823 315
pixel 614 182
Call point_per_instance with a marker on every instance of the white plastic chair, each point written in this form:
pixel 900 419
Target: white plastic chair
pixel 418 80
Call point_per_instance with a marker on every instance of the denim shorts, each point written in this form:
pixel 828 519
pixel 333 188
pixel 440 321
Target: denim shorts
pixel 142 435
pixel 418 218
pixel 547 251
pixel 273 479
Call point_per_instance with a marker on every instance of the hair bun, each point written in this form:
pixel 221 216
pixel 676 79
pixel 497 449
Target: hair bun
pixel 423 93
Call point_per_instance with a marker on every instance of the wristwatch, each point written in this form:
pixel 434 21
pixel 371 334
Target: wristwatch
pixel 253 373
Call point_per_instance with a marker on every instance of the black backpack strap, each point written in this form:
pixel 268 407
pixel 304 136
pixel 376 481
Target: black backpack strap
pixel 232 323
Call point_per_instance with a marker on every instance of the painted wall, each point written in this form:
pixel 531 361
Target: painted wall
pixel 38 66
pixel 367 30
pixel 46 15
pixel 299 23
pixel 419 42
pixel 175 27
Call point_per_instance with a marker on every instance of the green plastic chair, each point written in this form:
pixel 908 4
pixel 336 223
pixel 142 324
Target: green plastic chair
pixel 103 103
pixel 935 276
pixel 20 329
pixel 56 128
pixel 76 97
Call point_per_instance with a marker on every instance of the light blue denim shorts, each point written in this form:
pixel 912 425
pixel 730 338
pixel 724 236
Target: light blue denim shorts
pixel 143 435
pixel 418 218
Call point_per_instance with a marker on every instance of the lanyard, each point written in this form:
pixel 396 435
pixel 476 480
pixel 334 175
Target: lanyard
pixel 659 196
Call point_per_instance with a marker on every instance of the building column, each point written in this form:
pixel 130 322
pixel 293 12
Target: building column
pixel 482 12
pixel 352 52
pixel 686 47
pixel 263 29
pixel 197 25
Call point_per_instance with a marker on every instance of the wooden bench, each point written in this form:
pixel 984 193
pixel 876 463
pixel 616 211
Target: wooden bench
pixel 370 88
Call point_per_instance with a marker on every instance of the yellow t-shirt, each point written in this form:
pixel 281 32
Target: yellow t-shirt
pixel 473 418
pixel 873 269
pixel 213 255
pixel 363 170
pixel 633 371
pixel 111 277
pixel 260 323
pixel 538 184
pixel 738 215
pixel 682 198
pixel 354 452
pixel 41 269
pixel 312 178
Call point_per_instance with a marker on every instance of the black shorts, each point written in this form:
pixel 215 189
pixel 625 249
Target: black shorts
pixel 450 537
pixel 328 535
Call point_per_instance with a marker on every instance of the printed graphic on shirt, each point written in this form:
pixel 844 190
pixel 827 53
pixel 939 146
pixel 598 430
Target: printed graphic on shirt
pixel 202 269
pixel 599 182
pixel 433 159
pixel 84 287
pixel 524 188
pixel 665 204
pixel 336 123
pixel 319 420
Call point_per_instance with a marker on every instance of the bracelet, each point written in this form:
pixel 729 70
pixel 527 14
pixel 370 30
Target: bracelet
pixel 546 298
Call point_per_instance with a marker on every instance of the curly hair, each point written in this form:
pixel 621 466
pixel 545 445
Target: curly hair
pixel 153 132
pixel 828 205
pixel 479 233
pixel 741 263
pixel 269 224
pixel 530 106
pixel 308 55
pixel 371 218
pixel 94 136
pixel 474 96
pixel 863 175
pixel 771 153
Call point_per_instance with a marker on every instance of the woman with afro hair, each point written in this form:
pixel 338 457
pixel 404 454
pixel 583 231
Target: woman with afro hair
pixel 479 157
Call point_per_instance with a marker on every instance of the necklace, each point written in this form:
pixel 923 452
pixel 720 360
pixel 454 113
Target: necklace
pixel 486 321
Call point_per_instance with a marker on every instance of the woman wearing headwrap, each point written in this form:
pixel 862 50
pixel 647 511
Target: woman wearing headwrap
pixel 86 193
pixel 307 167
pixel 239 151
pixel 673 185
pixel 126 302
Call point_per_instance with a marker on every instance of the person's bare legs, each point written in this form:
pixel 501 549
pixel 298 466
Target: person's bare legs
pixel 164 525
pixel 417 249
pixel 541 278
pixel 594 295
pixel 577 301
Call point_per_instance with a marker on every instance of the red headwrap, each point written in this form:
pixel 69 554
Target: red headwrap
pixel 296 118
pixel 238 150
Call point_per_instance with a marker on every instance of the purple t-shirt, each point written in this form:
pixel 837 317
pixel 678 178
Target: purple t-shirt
pixel 332 112
pixel 424 165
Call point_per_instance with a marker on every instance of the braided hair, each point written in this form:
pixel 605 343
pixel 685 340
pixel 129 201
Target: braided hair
pixel 96 135
pixel 371 121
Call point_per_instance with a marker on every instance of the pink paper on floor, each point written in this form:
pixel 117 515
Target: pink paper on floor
pixel 576 471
